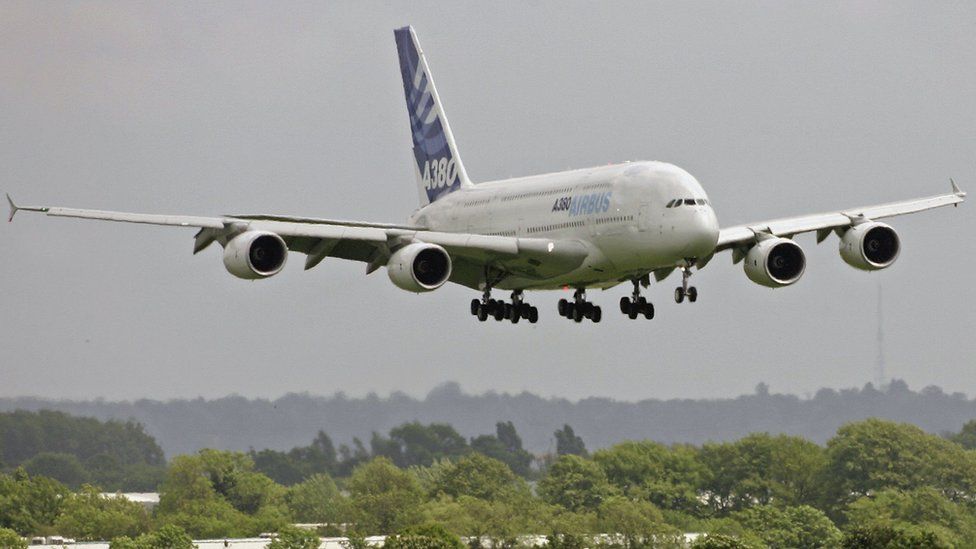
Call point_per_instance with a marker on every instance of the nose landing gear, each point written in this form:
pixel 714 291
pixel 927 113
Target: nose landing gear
pixel 636 304
pixel 683 291
pixel 580 308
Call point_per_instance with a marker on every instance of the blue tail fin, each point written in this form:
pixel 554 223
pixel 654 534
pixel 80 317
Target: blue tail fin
pixel 438 165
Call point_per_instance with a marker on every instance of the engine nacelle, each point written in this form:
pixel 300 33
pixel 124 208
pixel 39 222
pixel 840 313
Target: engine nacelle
pixel 870 246
pixel 255 254
pixel 419 267
pixel 775 262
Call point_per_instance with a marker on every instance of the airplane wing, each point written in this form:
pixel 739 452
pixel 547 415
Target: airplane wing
pixel 371 243
pixel 825 223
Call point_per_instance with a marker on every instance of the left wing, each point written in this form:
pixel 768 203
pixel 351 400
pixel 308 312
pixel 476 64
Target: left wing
pixel 825 223
pixel 372 243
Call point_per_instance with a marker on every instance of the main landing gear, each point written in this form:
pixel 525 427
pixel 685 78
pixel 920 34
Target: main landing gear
pixel 579 308
pixel 500 310
pixel 683 291
pixel 636 304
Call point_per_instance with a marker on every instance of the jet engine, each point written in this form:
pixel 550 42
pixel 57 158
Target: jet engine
pixel 255 254
pixel 419 267
pixel 775 262
pixel 870 246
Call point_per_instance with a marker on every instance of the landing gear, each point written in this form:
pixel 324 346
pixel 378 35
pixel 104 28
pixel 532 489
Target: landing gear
pixel 500 310
pixel 636 304
pixel 579 308
pixel 683 291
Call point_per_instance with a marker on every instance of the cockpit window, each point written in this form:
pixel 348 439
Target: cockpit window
pixel 670 204
pixel 701 201
pixel 690 201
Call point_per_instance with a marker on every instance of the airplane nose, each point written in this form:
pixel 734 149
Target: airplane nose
pixel 702 234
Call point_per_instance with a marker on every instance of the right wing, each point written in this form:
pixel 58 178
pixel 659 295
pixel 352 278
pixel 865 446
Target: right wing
pixel 371 243
pixel 824 223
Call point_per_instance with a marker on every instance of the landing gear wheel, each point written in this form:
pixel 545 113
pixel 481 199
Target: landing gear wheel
pixel 570 310
pixel 475 305
pixel 515 317
pixel 482 312
pixel 648 310
pixel 692 294
pixel 563 307
pixel 597 314
pixel 509 311
pixel 679 294
pixel 624 305
pixel 578 314
pixel 499 313
pixel 533 315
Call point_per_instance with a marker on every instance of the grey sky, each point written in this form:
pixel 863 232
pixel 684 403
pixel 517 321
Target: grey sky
pixel 777 108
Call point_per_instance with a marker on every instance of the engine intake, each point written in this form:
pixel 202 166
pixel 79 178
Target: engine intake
pixel 870 246
pixel 252 255
pixel 419 267
pixel 775 262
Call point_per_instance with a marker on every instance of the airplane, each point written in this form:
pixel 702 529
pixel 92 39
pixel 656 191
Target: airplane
pixel 583 229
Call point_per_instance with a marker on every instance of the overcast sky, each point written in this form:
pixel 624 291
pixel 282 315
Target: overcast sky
pixel 778 108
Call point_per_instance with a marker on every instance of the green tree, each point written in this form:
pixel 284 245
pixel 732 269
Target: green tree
pixel 90 516
pixel 926 508
pixel 892 536
pixel 574 483
pixel 791 527
pixel 11 540
pixel 290 537
pixel 505 446
pixel 966 437
pixel 762 469
pixel 386 497
pixel 428 536
pixel 874 455
pixel 478 476
pixel 64 468
pixel 722 541
pixel 568 443
pixel 667 477
pixel 413 444
pixel 637 523
pixel 217 494
pixel 316 500
pixel 166 537
pixel 28 503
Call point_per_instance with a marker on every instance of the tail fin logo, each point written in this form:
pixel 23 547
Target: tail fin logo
pixel 438 169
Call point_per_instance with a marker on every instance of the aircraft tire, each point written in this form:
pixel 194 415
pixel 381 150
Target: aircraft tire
pixel 648 310
pixel 624 305
pixel 597 314
pixel 692 294
pixel 533 315
pixel 679 294
pixel 475 305
pixel 562 307
pixel 633 311
pixel 482 313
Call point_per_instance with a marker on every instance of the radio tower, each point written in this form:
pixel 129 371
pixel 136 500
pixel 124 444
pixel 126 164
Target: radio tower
pixel 881 379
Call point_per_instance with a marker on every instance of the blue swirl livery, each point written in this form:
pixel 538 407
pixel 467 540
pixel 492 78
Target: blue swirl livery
pixel 438 166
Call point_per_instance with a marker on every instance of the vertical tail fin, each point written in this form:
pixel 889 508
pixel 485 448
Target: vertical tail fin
pixel 438 166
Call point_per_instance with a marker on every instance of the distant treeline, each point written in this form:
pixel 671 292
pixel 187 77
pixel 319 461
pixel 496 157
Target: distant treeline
pixel 238 423
pixel 112 454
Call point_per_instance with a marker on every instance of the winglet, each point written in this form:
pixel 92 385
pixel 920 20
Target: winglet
pixel 956 190
pixel 13 208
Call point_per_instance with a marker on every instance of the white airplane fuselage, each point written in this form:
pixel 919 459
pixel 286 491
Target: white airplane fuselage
pixel 619 212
